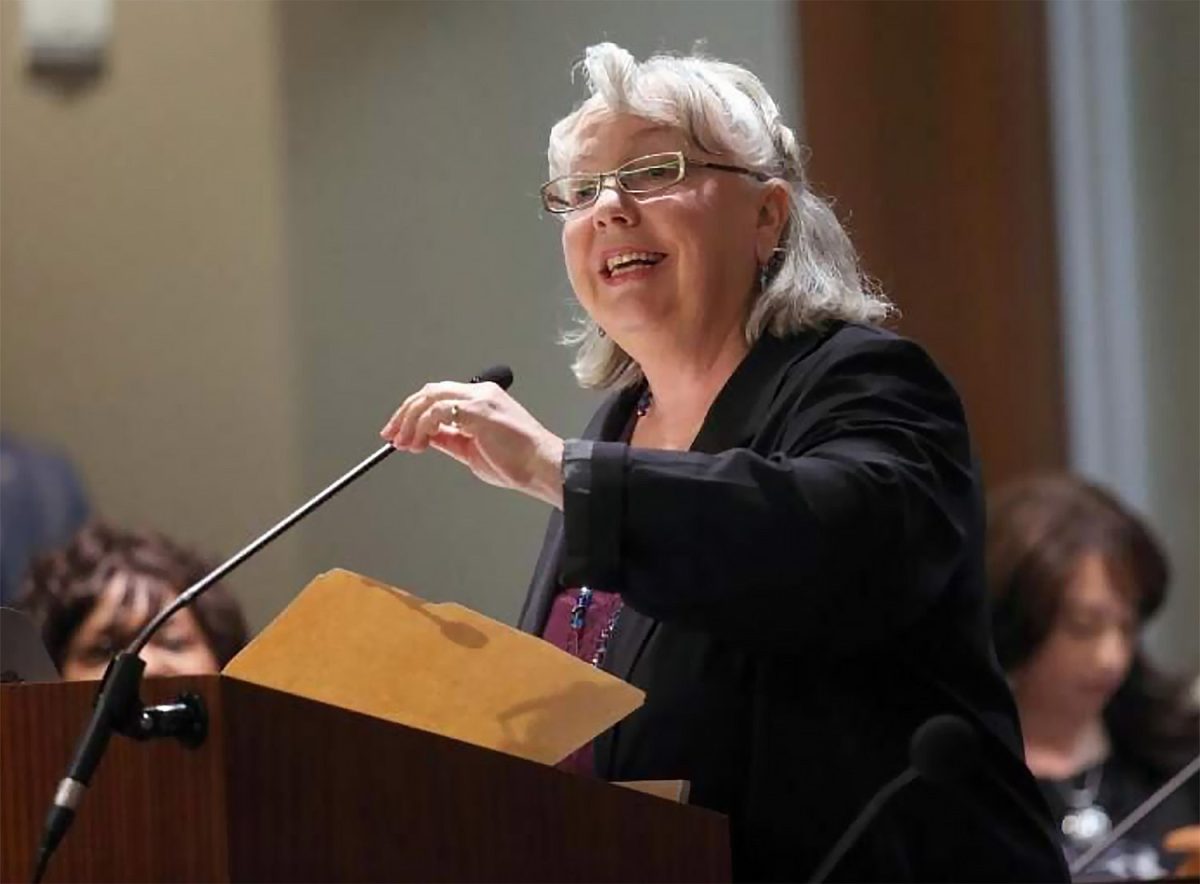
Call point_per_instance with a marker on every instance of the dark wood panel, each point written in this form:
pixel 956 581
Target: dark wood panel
pixel 291 790
pixel 410 806
pixel 129 824
pixel 928 126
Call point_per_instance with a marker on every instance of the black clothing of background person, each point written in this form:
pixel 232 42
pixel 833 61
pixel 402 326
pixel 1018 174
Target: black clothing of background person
pixel 1121 785
pixel 803 589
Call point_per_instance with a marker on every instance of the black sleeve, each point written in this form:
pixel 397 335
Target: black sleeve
pixel 838 532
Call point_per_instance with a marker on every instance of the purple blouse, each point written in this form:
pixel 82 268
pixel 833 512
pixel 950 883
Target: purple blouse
pixel 580 622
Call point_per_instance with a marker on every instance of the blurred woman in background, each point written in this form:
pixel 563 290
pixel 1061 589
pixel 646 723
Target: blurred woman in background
pixel 91 598
pixel 1074 576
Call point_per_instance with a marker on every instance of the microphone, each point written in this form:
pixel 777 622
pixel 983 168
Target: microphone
pixel 118 706
pixel 1161 794
pixel 945 750
pixel 936 750
pixel 500 375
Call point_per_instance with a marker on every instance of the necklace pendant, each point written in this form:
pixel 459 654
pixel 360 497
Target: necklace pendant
pixel 1087 824
pixel 1085 821
pixel 580 608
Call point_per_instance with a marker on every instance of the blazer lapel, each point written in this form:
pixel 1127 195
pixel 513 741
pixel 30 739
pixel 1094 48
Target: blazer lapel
pixel 731 419
pixel 628 641
pixel 544 582
pixel 737 410
pixel 607 423
pixel 742 405
pixel 730 422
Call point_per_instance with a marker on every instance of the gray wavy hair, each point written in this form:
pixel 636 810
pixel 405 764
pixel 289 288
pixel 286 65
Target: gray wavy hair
pixel 724 110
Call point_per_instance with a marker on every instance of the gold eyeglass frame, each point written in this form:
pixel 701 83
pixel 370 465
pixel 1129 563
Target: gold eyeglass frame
pixel 600 178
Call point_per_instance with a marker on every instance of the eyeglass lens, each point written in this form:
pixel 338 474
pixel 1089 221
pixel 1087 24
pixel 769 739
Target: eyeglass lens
pixel 642 175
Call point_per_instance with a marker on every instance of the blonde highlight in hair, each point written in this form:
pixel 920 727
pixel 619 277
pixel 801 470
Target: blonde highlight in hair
pixel 725 110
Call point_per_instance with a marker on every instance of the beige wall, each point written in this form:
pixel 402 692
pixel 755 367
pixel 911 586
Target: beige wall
pixel 145 324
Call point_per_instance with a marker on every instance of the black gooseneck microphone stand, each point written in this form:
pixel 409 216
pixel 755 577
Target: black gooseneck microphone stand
pixel 118 705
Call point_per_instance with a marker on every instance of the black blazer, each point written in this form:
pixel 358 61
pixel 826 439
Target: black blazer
pixel 803 589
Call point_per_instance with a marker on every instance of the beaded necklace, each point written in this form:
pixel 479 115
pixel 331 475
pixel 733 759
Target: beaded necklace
pixel 579 612
pixel 1086 821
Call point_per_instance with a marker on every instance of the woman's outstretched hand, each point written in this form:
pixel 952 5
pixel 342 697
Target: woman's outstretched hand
pixel 481 426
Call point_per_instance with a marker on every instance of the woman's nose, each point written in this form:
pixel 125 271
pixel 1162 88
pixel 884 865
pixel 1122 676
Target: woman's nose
pixel 613 206
pixel 157 663
pixel 1113 651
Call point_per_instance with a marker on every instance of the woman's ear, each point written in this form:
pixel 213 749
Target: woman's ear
pixel 772 218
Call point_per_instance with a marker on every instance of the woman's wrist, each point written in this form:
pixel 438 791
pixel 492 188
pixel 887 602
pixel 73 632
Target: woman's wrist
pixel 547 479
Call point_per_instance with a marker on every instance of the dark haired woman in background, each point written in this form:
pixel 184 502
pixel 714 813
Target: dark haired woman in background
pixel 1074 576
pixel 91 598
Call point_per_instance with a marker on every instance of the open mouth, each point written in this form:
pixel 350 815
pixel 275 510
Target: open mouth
pixel 623 263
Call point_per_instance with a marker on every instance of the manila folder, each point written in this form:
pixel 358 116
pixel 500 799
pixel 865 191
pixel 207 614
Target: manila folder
pixel 371 648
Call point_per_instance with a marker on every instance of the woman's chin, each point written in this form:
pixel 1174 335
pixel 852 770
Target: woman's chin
pixel 632 312
pixel 634 328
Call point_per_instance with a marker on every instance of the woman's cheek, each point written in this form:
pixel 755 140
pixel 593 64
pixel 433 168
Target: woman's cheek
pixel 580 282
pixel 574 255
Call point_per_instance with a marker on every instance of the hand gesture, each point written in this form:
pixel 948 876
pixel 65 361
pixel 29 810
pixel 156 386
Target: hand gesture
pixel 481 426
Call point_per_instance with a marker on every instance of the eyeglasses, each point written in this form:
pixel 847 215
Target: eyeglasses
pixel 647 174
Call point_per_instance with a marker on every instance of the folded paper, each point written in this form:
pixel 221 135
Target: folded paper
pixel 371 648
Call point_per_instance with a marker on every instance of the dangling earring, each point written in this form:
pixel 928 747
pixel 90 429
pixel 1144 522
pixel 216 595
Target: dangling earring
pixel 764 269
pixel 601 332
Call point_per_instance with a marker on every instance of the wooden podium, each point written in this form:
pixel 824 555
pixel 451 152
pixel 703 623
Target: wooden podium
pixel 289 789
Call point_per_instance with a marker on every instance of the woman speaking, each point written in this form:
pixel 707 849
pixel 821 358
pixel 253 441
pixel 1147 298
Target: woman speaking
pixel 773 524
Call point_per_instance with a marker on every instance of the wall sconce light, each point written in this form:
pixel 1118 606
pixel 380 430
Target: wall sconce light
pixel 66 37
